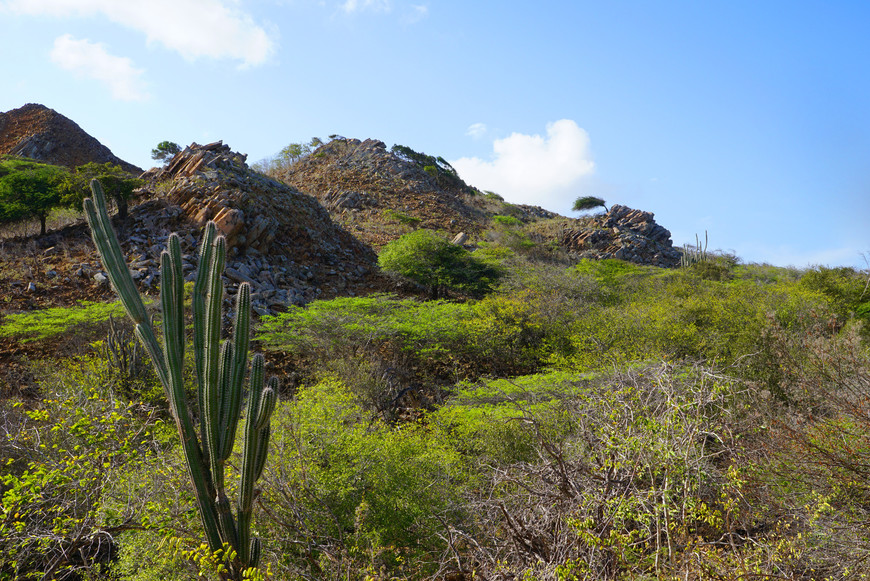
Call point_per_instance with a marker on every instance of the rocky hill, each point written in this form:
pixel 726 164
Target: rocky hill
pixel 378 194
pixel 43 134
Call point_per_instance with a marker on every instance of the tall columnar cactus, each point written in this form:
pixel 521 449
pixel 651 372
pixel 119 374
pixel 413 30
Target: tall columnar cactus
pixel 693 255
pixel 220 373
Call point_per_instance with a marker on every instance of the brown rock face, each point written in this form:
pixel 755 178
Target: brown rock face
pixel 623 233
pixel 43 134
pixel 277 237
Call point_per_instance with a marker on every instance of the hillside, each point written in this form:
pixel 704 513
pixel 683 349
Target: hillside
pixel 598 412
pixel 380 194
pixel 43 134
pixel 375 192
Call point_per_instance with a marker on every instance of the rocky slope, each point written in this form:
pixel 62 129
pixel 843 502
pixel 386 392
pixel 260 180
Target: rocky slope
pixel 43 134
pixel 379 194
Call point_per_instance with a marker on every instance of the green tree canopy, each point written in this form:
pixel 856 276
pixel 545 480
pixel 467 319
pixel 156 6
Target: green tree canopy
pixel 117 184
pixel 165 150
pixel 29 189
pixel 588 203
pixel 432 261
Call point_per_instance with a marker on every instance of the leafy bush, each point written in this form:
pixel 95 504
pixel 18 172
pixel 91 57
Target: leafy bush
pixel 66 477
pixel 348 491
pixel 432 261
pixel 611 477
pixel 116 182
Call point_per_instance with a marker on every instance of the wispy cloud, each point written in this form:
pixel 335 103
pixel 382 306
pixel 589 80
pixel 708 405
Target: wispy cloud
pixel 92 61
pixel 531 169
pixel 416 13
pixel 351 6
pixel 476 130
pixel 193 28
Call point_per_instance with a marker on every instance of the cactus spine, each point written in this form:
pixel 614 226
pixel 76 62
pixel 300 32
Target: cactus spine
pixel 220 373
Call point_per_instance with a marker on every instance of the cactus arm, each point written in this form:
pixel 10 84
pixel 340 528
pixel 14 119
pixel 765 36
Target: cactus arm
pixel 241 342
pixel 211 350
pixel 221 369
pixel 200 290
pixel 111 254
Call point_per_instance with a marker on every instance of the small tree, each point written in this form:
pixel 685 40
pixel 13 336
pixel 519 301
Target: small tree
pixel 588 203
pixel 117 183
pixel 432 261
pixel 29 189
pixel 165 150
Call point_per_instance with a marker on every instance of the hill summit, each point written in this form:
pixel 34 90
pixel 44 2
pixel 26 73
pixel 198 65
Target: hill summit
pixel 43 134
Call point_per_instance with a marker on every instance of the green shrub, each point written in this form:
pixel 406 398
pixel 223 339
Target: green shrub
pixel 432 261
pixel 29 189
pixel 66 475
pixel 400 217
pixel 347 489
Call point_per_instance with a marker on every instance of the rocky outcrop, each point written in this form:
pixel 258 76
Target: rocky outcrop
pixel 279 240
pixel 623 233
pixel 40 133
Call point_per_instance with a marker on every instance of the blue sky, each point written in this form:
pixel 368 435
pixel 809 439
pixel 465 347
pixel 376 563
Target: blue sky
pixel 748 120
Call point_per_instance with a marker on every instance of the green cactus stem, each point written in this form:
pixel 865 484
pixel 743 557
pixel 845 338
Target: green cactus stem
pixel 220 373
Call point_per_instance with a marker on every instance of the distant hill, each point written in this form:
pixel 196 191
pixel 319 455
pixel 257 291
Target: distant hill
pixel 43 134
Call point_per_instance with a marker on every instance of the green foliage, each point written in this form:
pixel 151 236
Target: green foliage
pixel 116 182
pixel 508 232
pixel 51 322
pixel 346 488
pixel 64 481
pixel 432 261
pixel 29 189
pixel 165 150
pixel 288 156
pixel 507 221
pixel 845 289
pixel 588 203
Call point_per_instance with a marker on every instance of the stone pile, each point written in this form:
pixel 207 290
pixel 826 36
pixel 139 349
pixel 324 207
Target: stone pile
pixel 626 234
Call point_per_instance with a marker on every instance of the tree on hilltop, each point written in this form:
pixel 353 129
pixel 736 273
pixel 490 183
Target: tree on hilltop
pixel 587 203
pixel 165 150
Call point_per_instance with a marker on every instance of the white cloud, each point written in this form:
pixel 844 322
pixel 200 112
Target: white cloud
pixel 351 6
pixel 476 130
pixel 532 169
pixel 194 28
pixel 91 60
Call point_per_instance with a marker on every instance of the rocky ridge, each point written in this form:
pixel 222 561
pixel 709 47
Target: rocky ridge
pixel 37 132
pixel 622 233
pixel 376 192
